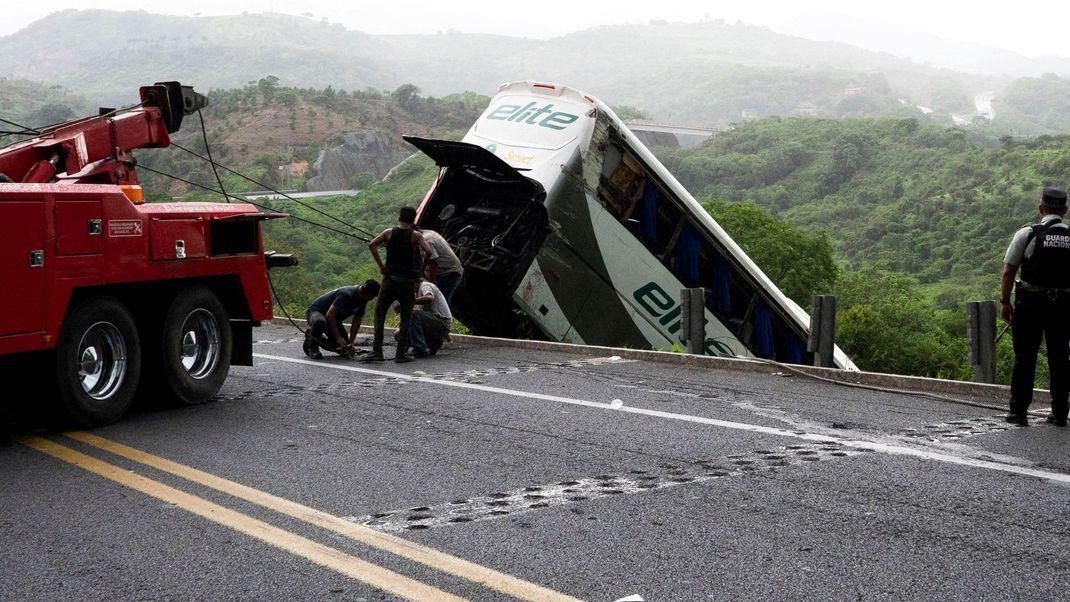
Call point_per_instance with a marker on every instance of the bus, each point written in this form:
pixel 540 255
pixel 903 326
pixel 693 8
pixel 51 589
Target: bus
pixel 571 230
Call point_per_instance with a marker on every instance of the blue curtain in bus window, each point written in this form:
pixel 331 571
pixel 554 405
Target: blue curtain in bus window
pixel 794 353
pixel 648 212
pixel 763 330
pixel 688 248
pixel 722 286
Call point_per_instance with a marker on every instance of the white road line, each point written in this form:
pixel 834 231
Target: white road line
pixel 897 450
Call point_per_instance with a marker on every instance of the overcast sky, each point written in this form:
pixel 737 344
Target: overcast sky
pixel 1030 27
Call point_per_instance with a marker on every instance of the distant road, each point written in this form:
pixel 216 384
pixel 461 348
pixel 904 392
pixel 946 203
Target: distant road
pixel 274 196
pixel 983 102
pixel 685 136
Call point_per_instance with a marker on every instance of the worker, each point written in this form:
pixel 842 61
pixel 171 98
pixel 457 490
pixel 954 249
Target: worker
pixel 407 254
pixel 431 320
pixel 1041 306
pixel 445 269
pixel 326 314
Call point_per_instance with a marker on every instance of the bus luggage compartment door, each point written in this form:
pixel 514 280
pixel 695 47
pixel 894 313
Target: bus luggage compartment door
pixel 573 303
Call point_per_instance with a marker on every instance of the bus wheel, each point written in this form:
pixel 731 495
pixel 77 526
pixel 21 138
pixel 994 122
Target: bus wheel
pixel 196 345
pixel 98 362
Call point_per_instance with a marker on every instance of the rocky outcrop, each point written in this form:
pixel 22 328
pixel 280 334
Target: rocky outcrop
pixel 360 152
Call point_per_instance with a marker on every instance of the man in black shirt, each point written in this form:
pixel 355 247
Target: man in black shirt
pixel 326 314
pixel 406 258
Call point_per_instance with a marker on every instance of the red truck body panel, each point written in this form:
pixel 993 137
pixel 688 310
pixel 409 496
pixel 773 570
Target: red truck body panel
pixel 91 235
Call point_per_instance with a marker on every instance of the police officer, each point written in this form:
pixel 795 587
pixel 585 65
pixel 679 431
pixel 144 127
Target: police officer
pixel 1041 306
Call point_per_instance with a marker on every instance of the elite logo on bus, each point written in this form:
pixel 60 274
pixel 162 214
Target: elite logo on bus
pixel 666 310
pixel 529 115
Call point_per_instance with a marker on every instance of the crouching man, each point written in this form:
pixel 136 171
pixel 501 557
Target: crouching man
pixel 431 320
pixel 326 314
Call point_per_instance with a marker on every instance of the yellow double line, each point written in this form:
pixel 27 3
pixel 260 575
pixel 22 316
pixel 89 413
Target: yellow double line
pixel 346 564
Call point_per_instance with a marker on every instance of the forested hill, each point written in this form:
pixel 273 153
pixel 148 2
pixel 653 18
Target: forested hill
pixel 275 133
pixel 937 203
pixel 695 73
pixel 34 104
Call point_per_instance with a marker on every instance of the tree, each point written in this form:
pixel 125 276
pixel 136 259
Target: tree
pixel 884 326
pixel 49 114
pixel 286 97
pixel 406 95
pixel 800 263
pixel 628 112
pixel 267 86
pixel 361 180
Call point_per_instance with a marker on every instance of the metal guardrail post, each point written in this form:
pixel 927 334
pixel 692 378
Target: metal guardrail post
pixel 693 319
pixel 822 341
pixel 981 339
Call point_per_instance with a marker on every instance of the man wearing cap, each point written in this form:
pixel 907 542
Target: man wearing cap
pixel 1041 306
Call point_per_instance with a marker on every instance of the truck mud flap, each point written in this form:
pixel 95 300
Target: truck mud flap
pixel 242 352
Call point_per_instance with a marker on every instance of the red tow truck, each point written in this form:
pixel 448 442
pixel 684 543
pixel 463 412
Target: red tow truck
pixel 123 298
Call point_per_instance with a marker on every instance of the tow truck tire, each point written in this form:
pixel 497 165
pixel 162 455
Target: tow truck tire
pixel 196 345
pixel 98 362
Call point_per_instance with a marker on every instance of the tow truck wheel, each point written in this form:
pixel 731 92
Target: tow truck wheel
pixel 196 345
pixel 98 362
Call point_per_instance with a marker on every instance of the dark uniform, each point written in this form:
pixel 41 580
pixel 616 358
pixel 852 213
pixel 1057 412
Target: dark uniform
pixel 399 284
pixel 1041 308
pixel 346 303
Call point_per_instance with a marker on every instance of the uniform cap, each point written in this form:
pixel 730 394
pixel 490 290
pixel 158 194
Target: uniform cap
pixel 1054 197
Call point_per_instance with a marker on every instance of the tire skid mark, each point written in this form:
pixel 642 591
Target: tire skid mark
pixel 510 503
pixel 957 429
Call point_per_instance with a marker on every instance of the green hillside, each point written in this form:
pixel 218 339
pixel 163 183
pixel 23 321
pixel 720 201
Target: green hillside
pixel 937 203
pixel 1034 106
pixel 330 259
pixel 695 73
pixel 262 129
pixel 34 104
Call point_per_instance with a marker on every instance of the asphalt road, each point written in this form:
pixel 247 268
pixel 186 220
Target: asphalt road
pixel 498 474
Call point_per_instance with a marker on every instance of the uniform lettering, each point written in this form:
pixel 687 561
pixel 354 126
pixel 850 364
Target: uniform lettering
pixel 1057 241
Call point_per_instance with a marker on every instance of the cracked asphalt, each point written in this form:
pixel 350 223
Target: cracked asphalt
pixel 596 478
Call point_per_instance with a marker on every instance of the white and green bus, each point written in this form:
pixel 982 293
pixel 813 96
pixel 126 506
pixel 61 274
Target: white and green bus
pixel 571 230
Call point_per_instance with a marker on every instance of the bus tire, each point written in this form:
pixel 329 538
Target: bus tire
pixel 98 362
pixel 195 346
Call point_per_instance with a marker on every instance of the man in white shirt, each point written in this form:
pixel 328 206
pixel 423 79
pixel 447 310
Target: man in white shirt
pixel 431 321
pixel 444 269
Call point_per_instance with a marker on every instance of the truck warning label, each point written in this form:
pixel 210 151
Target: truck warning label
pixel 124 227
